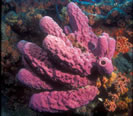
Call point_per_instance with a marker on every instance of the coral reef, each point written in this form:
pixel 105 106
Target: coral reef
pixel 9 55
pixel 23 5
pixel 112 12
pixel 61 65
pixel 110 105
pixel 20 15
pixel 20 21
pixel 116 87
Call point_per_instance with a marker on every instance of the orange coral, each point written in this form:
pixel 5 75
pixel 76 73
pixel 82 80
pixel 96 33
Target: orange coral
pixel 110 105
pixel 121 84
pixel 118 82
pixel 122 45
pixel 114 97
pixel 105 82
pixel 98 83
pixel 122 105
pixel 112 79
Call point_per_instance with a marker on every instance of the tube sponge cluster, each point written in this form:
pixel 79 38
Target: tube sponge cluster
pixel 63 72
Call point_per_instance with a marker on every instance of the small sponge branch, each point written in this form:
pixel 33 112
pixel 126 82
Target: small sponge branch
pixel 31 80
pixel 57 101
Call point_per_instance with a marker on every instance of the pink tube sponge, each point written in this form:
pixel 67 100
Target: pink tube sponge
pixel 65 72
pixel 70 58
pixel 106 46
pixel 31 80
pixel 62 100
pixel 105 65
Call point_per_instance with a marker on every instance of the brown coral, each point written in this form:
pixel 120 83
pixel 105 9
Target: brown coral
pixel 9 55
